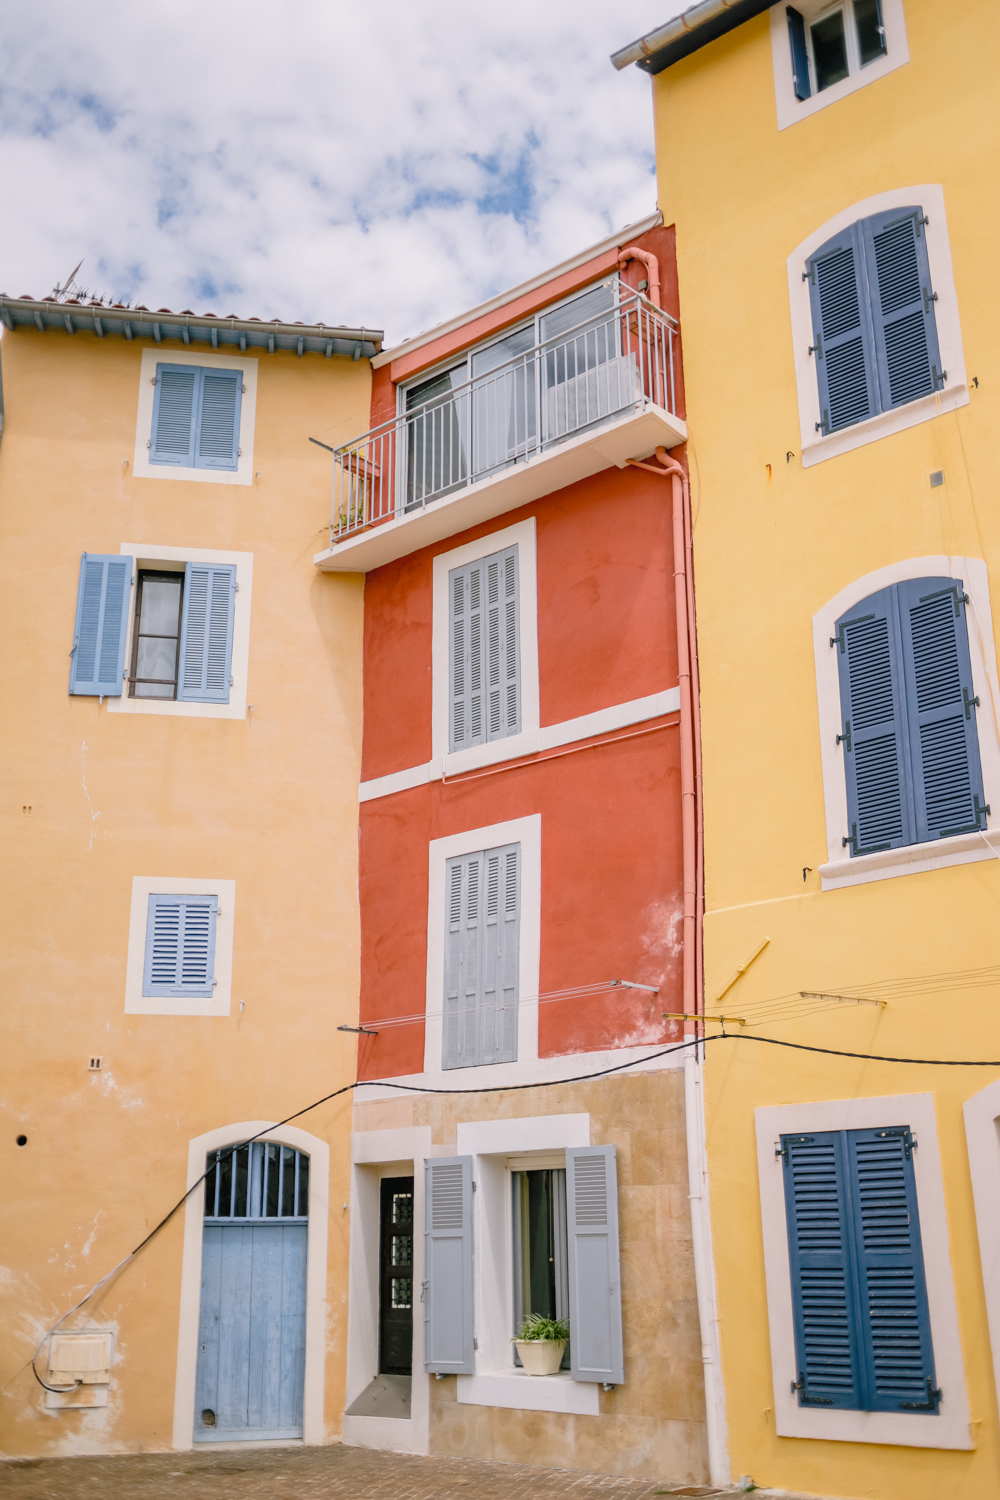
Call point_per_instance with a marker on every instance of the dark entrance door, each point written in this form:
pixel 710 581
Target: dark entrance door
pixel 396 1277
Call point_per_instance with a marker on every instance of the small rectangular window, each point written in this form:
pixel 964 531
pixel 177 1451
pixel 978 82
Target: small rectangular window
pixel 829 42
pixel 196 417
pixel 157 634
pixel 180 946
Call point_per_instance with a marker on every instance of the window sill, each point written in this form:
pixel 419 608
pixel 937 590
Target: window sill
pixel 963 849
pixel 514 1389
pixel 884 425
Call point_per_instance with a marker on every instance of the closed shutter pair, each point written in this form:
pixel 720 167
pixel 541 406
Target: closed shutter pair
pixel 97 660
pixel 911 746
pixel 180 946
pixel 196 417
pixel 482 931
pixel 484 651
pixel 874 332
pixel 448 1288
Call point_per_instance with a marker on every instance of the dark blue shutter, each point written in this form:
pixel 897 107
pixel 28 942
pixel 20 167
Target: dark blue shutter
pixel 175 406
pixel 218 428
pixel 824 1305
pixel 180 946
pixel 843 345
pixel 895 1321
pixel 874 730
pixel 97 659
pixel 899 280
pixel 206 650
pixel 800 57
pixel 941 708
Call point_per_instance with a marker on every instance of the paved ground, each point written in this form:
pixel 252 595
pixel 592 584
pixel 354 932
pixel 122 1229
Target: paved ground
pixel 331 1473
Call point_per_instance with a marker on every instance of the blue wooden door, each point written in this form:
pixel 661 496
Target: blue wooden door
pixel 251 1335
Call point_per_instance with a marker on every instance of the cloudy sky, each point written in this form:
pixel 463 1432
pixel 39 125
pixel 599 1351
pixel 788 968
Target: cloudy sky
pixel 373 162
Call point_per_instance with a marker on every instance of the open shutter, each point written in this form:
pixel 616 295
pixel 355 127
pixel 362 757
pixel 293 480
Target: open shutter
pixel 895 1322
pixel 97 660
pixel 902 303
pixel 874 733
pixel 175 405
pixel 218 438
pixel 843 345
pixel 595 1300
pixel 446 1291
pixel 800 57
pixel 824 1310
pixel 180 946
pixel 941 708
pixel 206 650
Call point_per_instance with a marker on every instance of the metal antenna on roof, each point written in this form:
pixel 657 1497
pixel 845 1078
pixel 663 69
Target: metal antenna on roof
pixel 60 291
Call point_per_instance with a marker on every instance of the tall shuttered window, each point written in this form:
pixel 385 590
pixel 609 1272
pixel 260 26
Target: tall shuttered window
pixel 859 1296
pixel 180 946
pixel 484 651
pixel 875 340
pixel 196 417
pixel 482 932
pixel 909 735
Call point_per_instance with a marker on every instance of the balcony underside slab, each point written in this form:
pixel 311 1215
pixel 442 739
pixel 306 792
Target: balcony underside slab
pixel 633 435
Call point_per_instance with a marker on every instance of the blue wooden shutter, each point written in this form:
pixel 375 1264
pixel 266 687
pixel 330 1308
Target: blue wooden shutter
pixel 874 730
pixel 447 1290
pixel 941 708
pixel 206 649
pixel 895 1321
pixel 180 946
pixel 902 304
pixel 824 1307
pixel 218 428
pixel 843 343
pixel 800 57
pixel 498 1004
pixel 97 660
pixel 595 1295
pixel 175 407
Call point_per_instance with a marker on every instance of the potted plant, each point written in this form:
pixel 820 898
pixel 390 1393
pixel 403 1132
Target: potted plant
pixel 540 1343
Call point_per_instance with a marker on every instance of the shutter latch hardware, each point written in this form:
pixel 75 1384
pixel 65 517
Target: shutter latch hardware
pixel 970 703
pixel 781 1148
pixel 939 377
pixel 840 639
pixel 979 812
pixel 957 593
pixel 804 1400
pixel 897 1132
pixel 934 1396
pixel 929 297
pixel 817 348
pixel 845 738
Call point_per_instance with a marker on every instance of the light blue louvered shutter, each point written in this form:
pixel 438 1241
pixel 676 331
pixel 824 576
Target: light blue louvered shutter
pixel 466 652
pixel 800 57
pixel 898 1358
pixel 447 1290
pixel 462 1040
pixel 941 708
pixel 180 946
pixel 510 644
pixel 500 954
pixel 175 407
pixel 843 343
pixel 595 1297
pixel 218 425
pixel 206 649
pixel 902 304
pixel 97 660
pixel 824 1306
pixel 874 730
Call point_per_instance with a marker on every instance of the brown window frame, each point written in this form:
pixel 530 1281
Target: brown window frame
pixel 164 575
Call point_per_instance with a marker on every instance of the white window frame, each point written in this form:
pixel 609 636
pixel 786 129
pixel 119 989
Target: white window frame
pixel 791 110
pixel 522 535
pixel 949 1427
pixel 815 446
pixel 141 466
pixel 151 555
pixel 963 848
pixel 982 1133
pixel 218 1003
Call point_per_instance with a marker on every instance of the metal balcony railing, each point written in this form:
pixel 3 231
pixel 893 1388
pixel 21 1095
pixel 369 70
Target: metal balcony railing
pixel 614 361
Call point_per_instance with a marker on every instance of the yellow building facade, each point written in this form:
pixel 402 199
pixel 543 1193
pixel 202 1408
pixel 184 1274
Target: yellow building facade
pixel 179 876
pixel 827 168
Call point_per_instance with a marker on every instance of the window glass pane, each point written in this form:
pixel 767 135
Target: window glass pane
pixel 496 354
pixel 829 50
pixel 562 320
pixel 436 458
pixel 160 605
pixel 155 658
pixel 871 33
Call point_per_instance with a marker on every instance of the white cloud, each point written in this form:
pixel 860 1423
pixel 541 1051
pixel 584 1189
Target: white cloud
pixel 379 163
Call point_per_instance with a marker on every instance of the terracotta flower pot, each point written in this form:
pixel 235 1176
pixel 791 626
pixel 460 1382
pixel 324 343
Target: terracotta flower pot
pixel 540 1356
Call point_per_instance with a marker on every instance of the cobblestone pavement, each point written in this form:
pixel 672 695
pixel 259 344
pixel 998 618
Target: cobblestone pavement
pixel 330 1473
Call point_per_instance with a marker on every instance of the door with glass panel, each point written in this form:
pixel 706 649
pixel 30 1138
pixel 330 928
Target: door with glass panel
pixel 585 374
pixel 395 1322
pixel 252 1329
pixel 540 1249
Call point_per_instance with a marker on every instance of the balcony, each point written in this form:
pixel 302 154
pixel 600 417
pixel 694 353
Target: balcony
pixel 600 394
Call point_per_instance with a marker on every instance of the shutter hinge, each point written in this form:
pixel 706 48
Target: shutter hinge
pixel 897 1132
pixel 243 390
pixel 970 703
pixel 845 738
pixel 475 1343
pixel 979 813
pixel 840 639
pixel 149 442
pixel 939 377
pixel 817 348
pixel 824 425
pixel 807 274
pixel 239 453
pixel 929 297
pixel 781 1147
pixel 852 839
pixel 956 591
pixel 804 1400
pixel 237 588
pixel 473 1187
pixel 230 680
pixel 934 1396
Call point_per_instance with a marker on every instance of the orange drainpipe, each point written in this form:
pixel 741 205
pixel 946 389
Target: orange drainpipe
pixel 649 260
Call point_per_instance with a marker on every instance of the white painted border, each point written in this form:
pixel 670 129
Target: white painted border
pixel 147 555
pixel 816 447
pixel 547 737
pixel 528 833
pixel 313 1431
pixel 982 1132
pixel 138 1004
pixel 141 466
pixel 966 848
pixel 791 110
pixel 950 1427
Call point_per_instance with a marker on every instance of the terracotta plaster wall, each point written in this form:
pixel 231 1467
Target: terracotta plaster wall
pixel 653 1426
